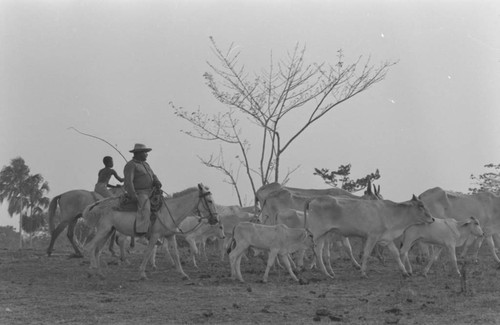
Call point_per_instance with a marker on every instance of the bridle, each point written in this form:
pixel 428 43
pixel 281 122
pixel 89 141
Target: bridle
pixel 202 199
pixel 212 216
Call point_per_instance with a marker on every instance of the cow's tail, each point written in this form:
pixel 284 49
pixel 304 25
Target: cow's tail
pixel 306 207
pixel 256 208
pixel 232 243
pixel 52 212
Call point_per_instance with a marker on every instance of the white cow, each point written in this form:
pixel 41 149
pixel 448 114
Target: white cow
pixel 379 221
pixel 197 231
pixel 447 233
pixel 484 206
pixel 279 240
pixel 279 206
pixel 230 221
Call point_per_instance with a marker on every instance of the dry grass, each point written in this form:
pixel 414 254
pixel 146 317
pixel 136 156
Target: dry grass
pixel 41 290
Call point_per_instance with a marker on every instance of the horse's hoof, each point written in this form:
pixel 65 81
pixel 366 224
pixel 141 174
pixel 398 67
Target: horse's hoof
pixel 185 278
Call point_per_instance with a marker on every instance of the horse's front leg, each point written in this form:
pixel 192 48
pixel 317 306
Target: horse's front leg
pixel 147 255
pixel 172 243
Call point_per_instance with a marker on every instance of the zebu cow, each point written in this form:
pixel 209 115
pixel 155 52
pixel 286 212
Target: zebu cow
pixel 447 233
pixel 279 240
pixel 484 206
pixel 283 199
pixel 264 191
pixel 379 221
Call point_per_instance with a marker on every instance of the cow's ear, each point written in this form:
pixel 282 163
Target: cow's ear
pixel 414 198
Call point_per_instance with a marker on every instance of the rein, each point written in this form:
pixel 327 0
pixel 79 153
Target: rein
pixel 200 216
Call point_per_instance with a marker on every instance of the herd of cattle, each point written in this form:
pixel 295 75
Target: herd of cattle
pixel 292 221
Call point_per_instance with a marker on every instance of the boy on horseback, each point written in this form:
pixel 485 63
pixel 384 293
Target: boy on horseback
pixel 140 181
pixel 104 176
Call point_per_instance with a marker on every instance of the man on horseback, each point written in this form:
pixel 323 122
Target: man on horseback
pixel 140 181
pixel 104 176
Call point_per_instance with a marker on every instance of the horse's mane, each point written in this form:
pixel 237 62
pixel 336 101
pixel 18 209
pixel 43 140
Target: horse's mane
pixel 188 190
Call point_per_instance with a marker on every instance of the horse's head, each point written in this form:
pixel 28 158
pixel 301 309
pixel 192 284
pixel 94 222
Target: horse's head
pixel 207 209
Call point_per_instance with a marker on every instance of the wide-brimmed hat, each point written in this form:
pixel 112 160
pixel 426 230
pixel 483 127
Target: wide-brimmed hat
pixel 140 147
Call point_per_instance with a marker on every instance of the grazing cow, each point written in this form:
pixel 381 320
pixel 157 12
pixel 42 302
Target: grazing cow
pixel 379 221
pixel 279 240
pixel 484 206
pixel 447 233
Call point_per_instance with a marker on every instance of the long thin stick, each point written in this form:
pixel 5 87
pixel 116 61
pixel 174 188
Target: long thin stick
pixel 93 136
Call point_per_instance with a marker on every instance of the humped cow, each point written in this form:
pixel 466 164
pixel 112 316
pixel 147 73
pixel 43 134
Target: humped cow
pixel 279 240
pixel 447 233
pixel 379 221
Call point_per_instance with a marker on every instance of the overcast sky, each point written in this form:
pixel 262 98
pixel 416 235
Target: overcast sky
pixel 111 68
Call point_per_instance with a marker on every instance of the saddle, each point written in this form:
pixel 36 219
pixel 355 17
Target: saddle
pixel 128 204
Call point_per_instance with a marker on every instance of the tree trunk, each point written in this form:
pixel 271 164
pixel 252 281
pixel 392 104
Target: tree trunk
pixel 21 227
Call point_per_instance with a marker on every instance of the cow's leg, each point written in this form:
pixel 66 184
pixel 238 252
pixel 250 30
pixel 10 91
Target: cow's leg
pixel 270 261
pixel 367 250
pixel 193 250
pixel 403 255
pixel 320 243
pixel 395 252
pixel 286 261
pixel 235 261
pixel 71 236
pixel 453 257
pixel 435 254
pixel 327 256
pixel 172 242
pixel 347 246
pixel 476 242
pixel 232 260
pixel 491 245
pixel 152 259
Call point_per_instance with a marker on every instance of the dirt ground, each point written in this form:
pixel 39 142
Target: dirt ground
pixel 36 289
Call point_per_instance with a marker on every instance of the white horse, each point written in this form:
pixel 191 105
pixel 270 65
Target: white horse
pixel 103 216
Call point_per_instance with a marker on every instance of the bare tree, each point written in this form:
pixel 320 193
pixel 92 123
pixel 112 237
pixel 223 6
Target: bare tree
pixel 288 89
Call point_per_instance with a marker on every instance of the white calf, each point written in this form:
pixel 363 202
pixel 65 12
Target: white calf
pixel 447 233
pixel 278 240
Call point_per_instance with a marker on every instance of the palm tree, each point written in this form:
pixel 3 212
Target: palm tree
pixel 23 191
pixel 35 203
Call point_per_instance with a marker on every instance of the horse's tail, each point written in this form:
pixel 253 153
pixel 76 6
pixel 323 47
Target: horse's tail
pixel 52 211
pixel 90 215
